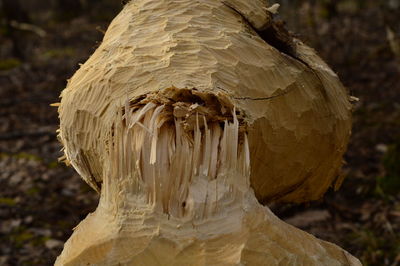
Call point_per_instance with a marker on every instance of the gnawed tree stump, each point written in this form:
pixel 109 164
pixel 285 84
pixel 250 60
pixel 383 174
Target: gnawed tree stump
pixel 184 119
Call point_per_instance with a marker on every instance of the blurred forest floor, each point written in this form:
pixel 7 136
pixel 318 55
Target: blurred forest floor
pixel 41 200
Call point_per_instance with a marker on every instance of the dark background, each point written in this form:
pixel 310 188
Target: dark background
pixel 41 200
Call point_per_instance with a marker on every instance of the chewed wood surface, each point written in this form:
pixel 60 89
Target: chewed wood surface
pixel 184 119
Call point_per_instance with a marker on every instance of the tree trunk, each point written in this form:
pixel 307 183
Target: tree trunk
pixel 184 119
pixel 14 12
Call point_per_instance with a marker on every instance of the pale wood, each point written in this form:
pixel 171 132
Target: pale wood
pixel 182 119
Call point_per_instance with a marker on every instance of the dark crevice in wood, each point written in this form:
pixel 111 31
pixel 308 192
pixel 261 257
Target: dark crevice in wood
pixel 279 37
